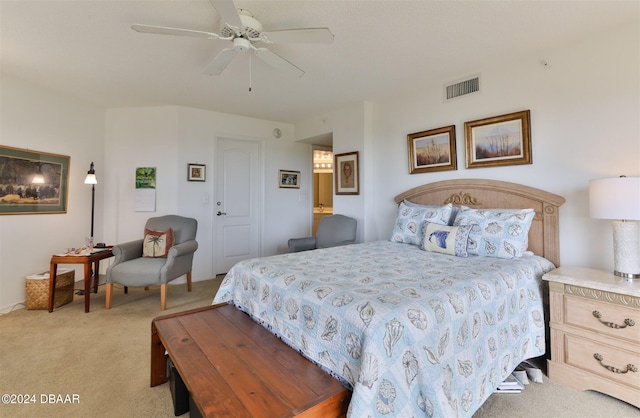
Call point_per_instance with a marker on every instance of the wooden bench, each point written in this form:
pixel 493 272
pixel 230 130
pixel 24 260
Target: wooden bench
pixel 233 367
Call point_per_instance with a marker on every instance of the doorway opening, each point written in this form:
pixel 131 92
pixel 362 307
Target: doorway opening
pixel 322 184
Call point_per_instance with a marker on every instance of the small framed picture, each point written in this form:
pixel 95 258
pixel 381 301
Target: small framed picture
pixel 346 169
pixel 289 179
pixel 432 150
pixel 499 140
pixel 196 172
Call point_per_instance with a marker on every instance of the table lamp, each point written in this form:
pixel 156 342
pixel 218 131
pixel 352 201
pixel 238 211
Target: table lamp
pixel 91 179
pixel 619 198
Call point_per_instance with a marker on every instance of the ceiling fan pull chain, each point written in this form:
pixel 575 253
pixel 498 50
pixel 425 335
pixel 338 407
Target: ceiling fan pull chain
pixel 250 81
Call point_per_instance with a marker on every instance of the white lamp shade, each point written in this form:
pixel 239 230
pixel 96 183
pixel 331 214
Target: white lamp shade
pixel 615 198
pixel 90 179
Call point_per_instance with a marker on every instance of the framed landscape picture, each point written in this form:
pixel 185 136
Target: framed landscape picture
pixel 499 140
pixel 33 182
pixel 432 150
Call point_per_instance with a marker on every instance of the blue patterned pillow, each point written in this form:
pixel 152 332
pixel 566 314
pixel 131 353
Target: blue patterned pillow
pixel 445 239
pixel 408 227
pixel 502 233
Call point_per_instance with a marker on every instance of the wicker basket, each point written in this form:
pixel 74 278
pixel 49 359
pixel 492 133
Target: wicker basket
pixel 37 287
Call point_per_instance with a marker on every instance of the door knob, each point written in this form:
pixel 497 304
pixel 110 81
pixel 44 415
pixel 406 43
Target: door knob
pixel 221 213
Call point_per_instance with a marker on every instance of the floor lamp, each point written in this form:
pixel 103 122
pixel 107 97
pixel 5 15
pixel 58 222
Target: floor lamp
pixel 91 179
pixel 619 198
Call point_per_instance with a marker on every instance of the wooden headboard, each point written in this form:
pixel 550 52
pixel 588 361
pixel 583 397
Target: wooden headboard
pixel 480 193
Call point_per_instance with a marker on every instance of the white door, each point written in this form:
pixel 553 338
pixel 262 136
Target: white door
pixel 238 202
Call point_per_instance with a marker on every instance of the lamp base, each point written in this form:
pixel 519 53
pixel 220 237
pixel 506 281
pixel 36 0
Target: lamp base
pixel 626 250
pixel 628 276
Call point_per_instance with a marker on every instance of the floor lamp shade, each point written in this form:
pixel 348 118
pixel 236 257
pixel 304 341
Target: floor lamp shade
pixel 619 199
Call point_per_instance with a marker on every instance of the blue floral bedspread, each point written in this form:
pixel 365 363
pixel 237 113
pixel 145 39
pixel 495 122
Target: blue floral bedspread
pixel 413 333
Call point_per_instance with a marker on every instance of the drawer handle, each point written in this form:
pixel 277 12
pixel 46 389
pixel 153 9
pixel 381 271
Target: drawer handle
pixel 630 367
pixel 627 322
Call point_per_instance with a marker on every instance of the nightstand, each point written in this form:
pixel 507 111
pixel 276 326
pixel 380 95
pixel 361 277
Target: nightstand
pixel 595 332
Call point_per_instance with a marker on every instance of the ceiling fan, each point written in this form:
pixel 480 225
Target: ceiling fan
pixel 240 28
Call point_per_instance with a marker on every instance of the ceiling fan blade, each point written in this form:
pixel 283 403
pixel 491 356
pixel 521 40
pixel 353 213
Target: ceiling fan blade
pixel 161 30
pixel 228 12
pixel 220 62
pixel 276 61
pixel 302 35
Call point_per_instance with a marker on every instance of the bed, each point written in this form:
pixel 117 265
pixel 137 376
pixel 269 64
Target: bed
pixel 414 332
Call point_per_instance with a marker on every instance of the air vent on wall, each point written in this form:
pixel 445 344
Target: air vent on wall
pixel 462 88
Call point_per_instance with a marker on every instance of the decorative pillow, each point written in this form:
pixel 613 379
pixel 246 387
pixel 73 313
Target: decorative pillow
pixel 445 239
pixel 502 233
pixel 157 243
pixel 408 227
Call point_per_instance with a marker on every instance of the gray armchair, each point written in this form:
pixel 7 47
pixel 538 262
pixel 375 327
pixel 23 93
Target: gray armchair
pixel 332 231
pixel 131 269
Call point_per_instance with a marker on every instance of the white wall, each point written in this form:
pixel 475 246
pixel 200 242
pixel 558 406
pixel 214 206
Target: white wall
pixel 45 121
pixel 585 112
pixel 171 137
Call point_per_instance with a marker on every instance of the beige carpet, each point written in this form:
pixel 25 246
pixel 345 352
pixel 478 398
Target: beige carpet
pixel 103 359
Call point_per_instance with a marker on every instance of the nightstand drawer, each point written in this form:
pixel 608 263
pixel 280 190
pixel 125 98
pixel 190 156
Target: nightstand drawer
pixel 622 366
pixel 604 318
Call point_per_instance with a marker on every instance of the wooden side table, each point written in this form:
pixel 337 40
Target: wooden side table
pixel 88 260
pixel 595 332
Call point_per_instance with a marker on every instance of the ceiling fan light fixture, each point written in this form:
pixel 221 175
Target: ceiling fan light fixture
pixel 241 44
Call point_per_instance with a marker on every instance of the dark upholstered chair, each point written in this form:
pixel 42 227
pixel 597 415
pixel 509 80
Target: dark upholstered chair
pixel 131 269
pixel 332 231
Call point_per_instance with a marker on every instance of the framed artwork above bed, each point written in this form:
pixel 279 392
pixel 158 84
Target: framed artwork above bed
pixel 499 140
pixel 432 150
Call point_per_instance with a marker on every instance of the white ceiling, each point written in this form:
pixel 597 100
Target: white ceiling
pixel 381 49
